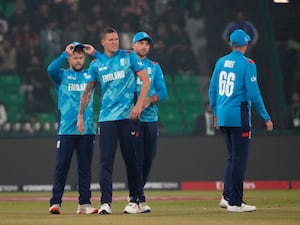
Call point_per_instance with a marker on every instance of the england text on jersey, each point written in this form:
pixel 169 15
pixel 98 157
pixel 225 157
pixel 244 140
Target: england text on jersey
pixel 113 76
pixel 76 87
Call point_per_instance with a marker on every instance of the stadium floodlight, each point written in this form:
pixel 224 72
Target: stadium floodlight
pixel 281 1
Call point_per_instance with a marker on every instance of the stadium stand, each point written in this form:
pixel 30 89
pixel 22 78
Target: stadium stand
pixel 202 23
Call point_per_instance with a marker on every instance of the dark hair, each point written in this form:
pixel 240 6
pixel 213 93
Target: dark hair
pixel 107 31
pixel 78 49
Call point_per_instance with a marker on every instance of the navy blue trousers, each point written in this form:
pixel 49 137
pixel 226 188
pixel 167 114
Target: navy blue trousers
pixel 146 155
pixel 65 147
pixel 125 132
pixel 237 142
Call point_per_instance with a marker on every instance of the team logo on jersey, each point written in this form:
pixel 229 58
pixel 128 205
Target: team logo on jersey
pixel 102 68
pixel 122 62
pixel 86 76
pixel 253 79
pixel 70 77
pixel 149 70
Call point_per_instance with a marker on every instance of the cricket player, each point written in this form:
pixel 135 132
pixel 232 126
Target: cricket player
pixel 233 90
pixel 116 73
pixel 69 84
pixel 141 44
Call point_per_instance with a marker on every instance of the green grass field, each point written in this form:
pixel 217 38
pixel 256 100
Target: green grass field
pixel 168 208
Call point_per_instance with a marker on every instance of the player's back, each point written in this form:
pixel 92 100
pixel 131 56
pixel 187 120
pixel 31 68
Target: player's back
pixel 231 88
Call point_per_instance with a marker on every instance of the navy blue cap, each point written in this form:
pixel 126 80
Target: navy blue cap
pixel 77 44
pixel 141 36
pixel 239 38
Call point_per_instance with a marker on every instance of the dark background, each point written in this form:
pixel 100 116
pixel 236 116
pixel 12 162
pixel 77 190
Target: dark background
pixel 31 160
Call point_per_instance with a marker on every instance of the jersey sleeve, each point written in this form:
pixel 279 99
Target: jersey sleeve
pixel 160 84
pixel 55 69
pixel 213 87
pixel 96 55
pixel 92 71
pixel 253 90
pixel 136 63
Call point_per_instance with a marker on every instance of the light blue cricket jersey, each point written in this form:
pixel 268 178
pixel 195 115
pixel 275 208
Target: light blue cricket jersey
pixel 234 80
pixel 157 87
pixel 117 82
pixel 69 86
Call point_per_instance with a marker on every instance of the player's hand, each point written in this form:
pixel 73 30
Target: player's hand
pixel 70 48
pixel 135 112
pixel 89 49
pixel 146 102
pixel 269 125
pixel 149 100
pixel 216 123
pixel 80 124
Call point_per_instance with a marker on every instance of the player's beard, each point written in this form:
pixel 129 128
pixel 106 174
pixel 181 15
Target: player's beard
pixel 77 68
pixel 142 53
pixel 145 51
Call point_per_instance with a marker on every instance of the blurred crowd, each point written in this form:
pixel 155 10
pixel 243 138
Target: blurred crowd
pixel 33 32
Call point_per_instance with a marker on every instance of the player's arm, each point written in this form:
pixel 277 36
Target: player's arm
pixel 212 94
pixel 84 101
pixel 161 92
pixel 138 107
pixel 55 68
pixel 90 50
pixel 213 90
pixel 253 92
pixel 160 84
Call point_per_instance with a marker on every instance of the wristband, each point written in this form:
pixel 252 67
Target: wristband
pixel 93 52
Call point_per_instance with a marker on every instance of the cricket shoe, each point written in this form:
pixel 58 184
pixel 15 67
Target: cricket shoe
pixel 131 208
pixel 105 209
pixel 86 209
pixel 144 208
pixel 242 208
pixel 223 203
pixel 54 209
